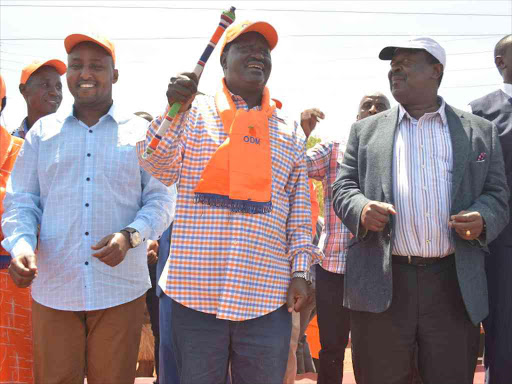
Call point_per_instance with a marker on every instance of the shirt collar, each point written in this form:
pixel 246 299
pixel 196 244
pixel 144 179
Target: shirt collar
pixel 115 113
pixel 240 102
pixel 24 125
pixel 23 128
pixel 507 88
pixel 441 112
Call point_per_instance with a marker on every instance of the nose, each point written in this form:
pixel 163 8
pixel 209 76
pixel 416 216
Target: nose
pixel 258 56
pixel 395 68
pixel 85 73
pixel 373 110
pixel 54 91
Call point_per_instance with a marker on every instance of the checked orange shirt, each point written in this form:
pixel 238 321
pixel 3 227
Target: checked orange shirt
pixel 234 265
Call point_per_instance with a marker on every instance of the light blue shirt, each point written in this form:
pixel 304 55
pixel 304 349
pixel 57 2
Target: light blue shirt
pixel 79 184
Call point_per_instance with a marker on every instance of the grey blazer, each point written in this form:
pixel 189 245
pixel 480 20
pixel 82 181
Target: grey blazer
pixel 366 174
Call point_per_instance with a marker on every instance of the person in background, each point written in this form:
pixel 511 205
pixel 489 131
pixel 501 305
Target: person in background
pixel 422 188
pixel 323 163
pixel 77 178
pixel 241 242
pixel 159 304
pixel 16 341
pixel 41 88
pixel 371 104
pixel 497 108
pixel 300 320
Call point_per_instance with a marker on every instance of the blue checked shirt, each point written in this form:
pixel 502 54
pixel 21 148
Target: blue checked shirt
pixel 80 184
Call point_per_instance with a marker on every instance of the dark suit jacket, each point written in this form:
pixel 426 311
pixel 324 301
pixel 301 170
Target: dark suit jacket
pixel 366 174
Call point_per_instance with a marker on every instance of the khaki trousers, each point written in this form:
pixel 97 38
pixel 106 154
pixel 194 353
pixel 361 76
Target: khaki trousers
pixel 105 342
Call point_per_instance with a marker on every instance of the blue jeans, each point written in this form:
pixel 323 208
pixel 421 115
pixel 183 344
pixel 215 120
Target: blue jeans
pixel 204 346
pixel 168 372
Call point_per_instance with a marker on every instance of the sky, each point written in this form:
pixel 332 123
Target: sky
pixel 326 57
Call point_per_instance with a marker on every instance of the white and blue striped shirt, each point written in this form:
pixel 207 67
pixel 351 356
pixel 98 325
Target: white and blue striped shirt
pixel 79 184
pixel 422 180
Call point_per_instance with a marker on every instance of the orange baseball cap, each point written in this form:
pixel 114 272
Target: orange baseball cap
pixel 72 40
pixel 36 64
pixel 263 28
pixel 2 88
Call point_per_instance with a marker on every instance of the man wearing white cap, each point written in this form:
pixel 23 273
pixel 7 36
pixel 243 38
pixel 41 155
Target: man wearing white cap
pixel 423 189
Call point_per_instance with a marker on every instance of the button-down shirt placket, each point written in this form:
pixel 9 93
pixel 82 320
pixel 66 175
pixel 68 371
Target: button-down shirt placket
pixel 422 181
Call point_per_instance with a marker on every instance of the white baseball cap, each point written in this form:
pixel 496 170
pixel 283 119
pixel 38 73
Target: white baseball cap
pixel 425 43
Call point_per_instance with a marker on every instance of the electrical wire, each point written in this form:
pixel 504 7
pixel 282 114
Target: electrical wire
pixel 254 10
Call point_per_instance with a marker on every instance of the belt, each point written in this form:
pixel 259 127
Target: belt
pixel 420 261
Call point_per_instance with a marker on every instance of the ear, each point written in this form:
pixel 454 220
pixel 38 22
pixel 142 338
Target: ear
pixel 116 76
pixel 223 61
pixel 357 117
pixel 500 62
pixel 437 71
pixel 23 91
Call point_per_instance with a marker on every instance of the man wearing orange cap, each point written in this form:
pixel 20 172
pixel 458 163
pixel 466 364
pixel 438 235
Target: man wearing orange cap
pixel 41 88
pixel 15 316
pixel 241 243
pixel 78 178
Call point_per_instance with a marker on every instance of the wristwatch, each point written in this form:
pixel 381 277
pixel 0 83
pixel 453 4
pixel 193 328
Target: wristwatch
pixel 303 275
pixel 133 235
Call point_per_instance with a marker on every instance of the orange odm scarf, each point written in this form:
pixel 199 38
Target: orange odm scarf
pixel 239 174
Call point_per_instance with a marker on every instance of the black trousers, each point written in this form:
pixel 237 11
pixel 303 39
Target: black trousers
pixel 333 325
pixel 427 310
pixel 152 302
pixel 498 325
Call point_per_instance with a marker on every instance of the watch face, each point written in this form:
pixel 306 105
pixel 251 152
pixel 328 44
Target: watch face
pixel 135 239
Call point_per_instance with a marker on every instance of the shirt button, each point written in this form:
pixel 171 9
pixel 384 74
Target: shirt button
pixel 86 204
pixel 88 179
pixel 235 242
pixel 90 130
pixel 428 241
pixel 86 233
pixel 88 155
pixel 86 263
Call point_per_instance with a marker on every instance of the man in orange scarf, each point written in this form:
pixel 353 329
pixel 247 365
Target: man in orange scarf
pixel 241 243
pixel 15 314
